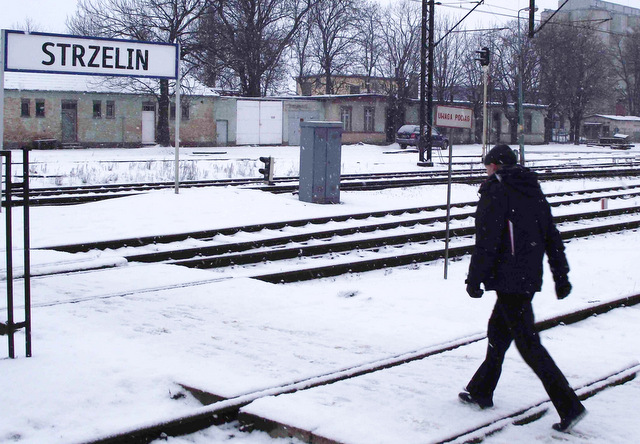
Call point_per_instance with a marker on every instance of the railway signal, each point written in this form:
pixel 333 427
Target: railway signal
pixel 484 56
pixel 267 171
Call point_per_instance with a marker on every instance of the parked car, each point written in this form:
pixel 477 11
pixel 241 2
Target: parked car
pixel 408 135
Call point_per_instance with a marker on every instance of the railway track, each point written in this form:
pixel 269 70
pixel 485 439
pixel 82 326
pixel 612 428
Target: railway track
pixel 219 410
pixel 297 250
pixel 349 182
pixel 310 248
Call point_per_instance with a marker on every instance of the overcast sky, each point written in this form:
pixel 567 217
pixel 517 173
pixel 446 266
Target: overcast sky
pixel 51 15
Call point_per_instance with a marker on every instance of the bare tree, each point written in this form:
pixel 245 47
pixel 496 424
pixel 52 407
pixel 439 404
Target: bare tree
pixel 448 60
pixel 401 55
pixel 368 40
pixel 575 71
pixel 300 55
pixel 242 41
pixel 169 21
pixel 333 38
pixel 626 69
pixel 28 25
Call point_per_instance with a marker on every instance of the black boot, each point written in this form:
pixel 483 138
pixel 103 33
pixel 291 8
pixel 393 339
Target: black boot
pixel 468 398
pixel 568 423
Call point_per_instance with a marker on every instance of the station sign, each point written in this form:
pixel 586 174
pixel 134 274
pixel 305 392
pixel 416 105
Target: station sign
pixel 453 117
pixel 69 54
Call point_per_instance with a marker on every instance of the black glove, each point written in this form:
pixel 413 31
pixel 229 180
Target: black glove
pixel 474 291
pixel 563 288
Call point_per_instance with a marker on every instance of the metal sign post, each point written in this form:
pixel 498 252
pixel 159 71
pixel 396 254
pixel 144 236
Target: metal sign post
pixel 178 116
pixel 2 52
pixel 451 117
pixel 12 189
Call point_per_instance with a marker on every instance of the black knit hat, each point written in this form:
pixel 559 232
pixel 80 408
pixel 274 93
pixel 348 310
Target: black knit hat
pixel 501 155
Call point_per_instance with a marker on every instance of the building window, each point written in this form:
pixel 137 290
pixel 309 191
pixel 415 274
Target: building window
pixel 369 119
pixel 39 107
pixel 305 88
pixel 345 117
pixel 111 109
pixel 184 111
pixel 97 109
pixel 69 105
pixel 528 123
pixel 148 106
pixel 24 108
pixel 354 89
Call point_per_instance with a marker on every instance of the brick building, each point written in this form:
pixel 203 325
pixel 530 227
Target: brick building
pixel 87 111
pixel 345 84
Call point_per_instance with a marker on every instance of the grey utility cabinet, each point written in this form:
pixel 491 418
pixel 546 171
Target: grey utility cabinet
pixel 320 153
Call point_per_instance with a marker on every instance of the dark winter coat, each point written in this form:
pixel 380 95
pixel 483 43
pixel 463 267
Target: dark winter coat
pixel 514 229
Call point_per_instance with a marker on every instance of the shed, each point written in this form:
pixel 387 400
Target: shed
pixel 599 126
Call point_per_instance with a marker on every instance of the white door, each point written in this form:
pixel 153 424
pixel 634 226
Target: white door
pixel 148 127
pixel 221 132
pixel 270 123
pixel 258 122
pixel 248 122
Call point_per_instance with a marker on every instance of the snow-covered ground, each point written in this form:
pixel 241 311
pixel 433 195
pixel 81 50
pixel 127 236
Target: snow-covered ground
pixel 90 166
pixel 115 358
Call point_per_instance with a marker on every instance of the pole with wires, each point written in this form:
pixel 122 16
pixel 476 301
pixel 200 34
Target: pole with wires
pixel 423 70
pixel 485 79
pixel 432 14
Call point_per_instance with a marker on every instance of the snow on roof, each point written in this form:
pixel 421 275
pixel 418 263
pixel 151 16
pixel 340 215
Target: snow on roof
pixel 54 82
pixel 621 118
pixel 331 96
pixel 80 83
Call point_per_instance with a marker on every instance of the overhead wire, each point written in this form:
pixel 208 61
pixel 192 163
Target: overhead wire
pixel 557 23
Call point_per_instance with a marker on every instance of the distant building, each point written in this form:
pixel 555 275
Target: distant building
pixel 604 16
pixel 598 125
pixel 345 84
pixel 613 20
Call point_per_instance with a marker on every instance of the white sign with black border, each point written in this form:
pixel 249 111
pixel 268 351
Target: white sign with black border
pixel 453 117
pixel 69 54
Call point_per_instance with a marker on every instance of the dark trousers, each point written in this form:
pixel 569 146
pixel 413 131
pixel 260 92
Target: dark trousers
pixel 512 320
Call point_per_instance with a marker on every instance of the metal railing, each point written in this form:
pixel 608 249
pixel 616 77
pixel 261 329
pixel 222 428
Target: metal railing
pixel 12 189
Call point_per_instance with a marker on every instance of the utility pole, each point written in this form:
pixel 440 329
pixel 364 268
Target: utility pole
pixel 423 70
pixel 429 111
pixel 520 69
pixel 520 93
pixel 432 14
pixel 485 77
pixel 430 45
